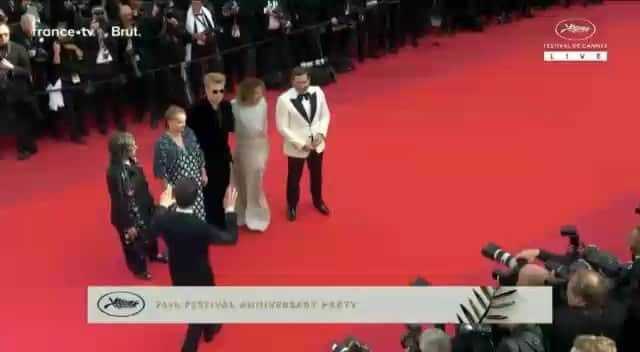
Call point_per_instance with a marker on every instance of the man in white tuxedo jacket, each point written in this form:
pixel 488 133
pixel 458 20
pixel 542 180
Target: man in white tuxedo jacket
pixel 302 117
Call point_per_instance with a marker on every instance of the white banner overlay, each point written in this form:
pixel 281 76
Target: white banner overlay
pixel 575 56
pixel 171 305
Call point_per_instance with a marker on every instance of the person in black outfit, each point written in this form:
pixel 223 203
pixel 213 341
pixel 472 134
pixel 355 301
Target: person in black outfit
pixel 66 66
pixel 204 49
pixel 583 307
pixel 18 107
pixel 307 13
pixel 412 14
pixel 344 20
pixel 103 65
pixel 212 120
pixel 585 310
pixel 132 205
pixel 273 57
pixel 237 16
pixel 135 55
pixel 375 27
pixel 188 239
pixel 167 40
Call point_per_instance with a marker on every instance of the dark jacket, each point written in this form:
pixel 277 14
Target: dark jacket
pixel 570 322
pixel 90 45
pixel 70 64
pixel 19 79
pixel 213 137
pixel 188 238
pixel 127 183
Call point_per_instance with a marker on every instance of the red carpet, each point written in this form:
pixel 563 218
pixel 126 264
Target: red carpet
pixel 432 153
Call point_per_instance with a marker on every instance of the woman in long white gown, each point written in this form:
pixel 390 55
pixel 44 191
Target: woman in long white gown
pixel 251 154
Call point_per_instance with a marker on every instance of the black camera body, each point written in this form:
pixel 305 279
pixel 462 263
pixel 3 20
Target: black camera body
pixel 80 7
pixel 99 14
pixel 165 9
pixel 230 7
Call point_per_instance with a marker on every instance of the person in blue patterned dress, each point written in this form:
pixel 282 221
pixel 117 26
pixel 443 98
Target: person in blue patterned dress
pixel 178 155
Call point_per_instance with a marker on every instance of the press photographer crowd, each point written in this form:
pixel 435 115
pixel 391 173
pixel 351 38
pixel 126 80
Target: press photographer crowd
pixel 596 300
pixel 149 55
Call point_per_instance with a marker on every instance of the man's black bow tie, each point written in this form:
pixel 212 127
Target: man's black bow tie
pixel 306 96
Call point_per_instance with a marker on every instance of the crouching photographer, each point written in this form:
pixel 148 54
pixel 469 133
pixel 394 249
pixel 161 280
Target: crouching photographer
pixel 585 299
pixel 578 256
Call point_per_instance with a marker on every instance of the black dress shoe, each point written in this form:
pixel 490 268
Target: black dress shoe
pixel 291 214
pixel 160 258
pixel 322 208
pixel 144 276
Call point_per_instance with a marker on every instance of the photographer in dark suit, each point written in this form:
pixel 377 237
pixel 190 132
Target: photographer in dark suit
pixel 38 48
pixel 18 106
pixel 188 239
pixel 135 55
pixel 273 58
pixel 308 43
pixel 204 48
pixel 586 310
pixel 66 66
pixel 582 306
pixel 168 39
pixel 344 21
pixel 236 20
pixel 102 59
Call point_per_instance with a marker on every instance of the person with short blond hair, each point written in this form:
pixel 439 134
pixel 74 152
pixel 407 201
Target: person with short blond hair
pixel 214 78
pixel 211 119
pixel 178 155
pixel 591 343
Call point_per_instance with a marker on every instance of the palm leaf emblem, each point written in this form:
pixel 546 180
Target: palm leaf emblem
pixel 486 306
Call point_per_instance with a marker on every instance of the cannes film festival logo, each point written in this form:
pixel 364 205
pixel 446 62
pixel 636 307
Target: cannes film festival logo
pixel 121 304
pixel 575 29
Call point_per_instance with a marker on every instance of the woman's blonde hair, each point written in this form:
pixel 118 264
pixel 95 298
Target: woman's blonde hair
pixel 171 113
pixel 247 88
